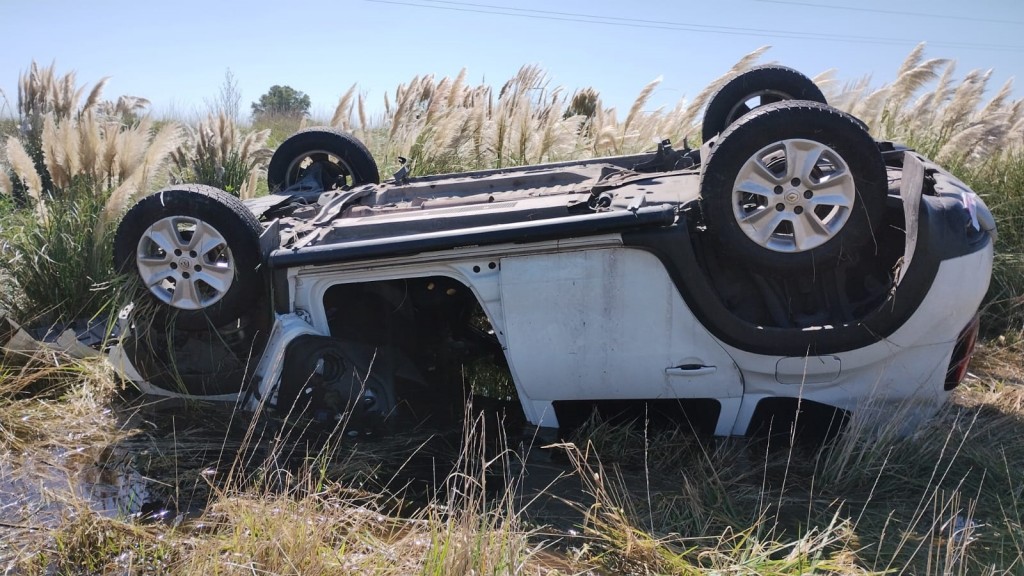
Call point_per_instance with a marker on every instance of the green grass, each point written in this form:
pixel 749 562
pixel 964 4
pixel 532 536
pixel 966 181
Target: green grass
pixel 280 126
pixel 57 265
pixel 1001 183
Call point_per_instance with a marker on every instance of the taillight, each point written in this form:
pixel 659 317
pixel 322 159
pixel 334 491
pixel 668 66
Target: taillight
pixel 962 353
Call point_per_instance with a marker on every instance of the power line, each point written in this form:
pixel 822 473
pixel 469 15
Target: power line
pixel 496 10
pixel 958 17
pixel 660 24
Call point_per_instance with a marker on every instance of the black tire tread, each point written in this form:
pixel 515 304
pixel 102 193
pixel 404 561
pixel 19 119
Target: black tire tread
pixel 761 77
pixel 355 153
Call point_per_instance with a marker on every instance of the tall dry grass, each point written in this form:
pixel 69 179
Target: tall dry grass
pixel 219 153
pixel 927 106
pixel 281 500
pixel 943 500
pixel 73 168
pixel 103 146
pixel 445 125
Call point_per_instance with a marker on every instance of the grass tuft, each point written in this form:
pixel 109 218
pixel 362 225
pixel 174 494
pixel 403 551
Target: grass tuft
pixel 219 153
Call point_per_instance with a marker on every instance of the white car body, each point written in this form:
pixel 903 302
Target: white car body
pixel 590 318
pixel 600 280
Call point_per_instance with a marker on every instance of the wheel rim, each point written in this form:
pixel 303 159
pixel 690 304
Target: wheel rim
pixel 753 100
pixel 185 263
pixel 793 195
pixel 334 167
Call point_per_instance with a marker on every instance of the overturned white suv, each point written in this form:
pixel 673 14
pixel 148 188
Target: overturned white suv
pixel 791 258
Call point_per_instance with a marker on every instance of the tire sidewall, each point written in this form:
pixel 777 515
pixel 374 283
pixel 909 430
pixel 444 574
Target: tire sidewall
pixel 229 217
pixel 784 121
pixel 777 78
pixel 347 147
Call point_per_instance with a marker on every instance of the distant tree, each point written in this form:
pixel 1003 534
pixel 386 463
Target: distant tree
pixel 282 101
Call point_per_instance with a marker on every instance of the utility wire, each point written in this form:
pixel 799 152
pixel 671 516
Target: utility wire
pixel 679 26
pixel 957 17
pixel 657 23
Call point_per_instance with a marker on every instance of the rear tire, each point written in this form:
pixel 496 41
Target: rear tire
pixel 345 159
pixel 758 86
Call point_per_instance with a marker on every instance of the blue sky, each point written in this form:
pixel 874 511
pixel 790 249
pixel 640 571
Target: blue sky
pixel 176 53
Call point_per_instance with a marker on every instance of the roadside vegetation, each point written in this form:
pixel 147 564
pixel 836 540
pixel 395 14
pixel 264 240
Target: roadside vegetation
pixel 95 478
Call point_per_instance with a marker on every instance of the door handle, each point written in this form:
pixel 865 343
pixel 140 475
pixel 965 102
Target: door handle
pixel 690 370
